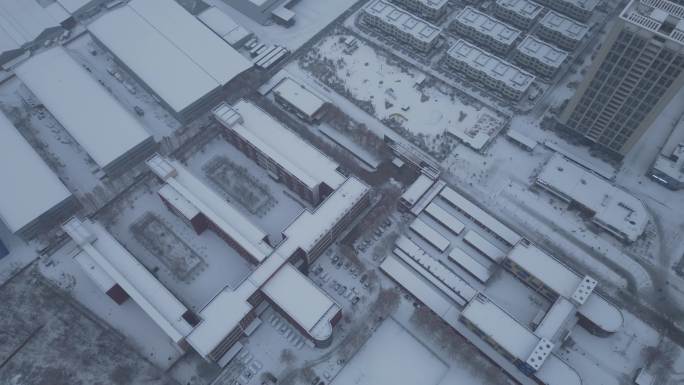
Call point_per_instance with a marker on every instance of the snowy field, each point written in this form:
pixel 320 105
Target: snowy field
pixel 401 94
pixel 311 17
pixel 393 356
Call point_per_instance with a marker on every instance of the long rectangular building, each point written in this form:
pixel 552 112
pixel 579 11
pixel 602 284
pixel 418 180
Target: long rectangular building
pixel 288 158
pixel 402 25
pixel 520 13
pixel 561 30
pixel 530 353
pixel 189 197
pixel 109 133
pixel 553 279
pixel 485 30
pixel 430 9
pixel 612 208
pixel 491 71
pixel 32 198
pixel 541 58
pixel 576 9
pixel 171 53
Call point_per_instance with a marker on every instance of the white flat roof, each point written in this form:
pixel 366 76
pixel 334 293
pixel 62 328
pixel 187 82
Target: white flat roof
pixel 501 327
pixel 555 318
pixel 299 96
pixel 613 206
pixel 217 209
pixel 492 66
pixel 90 114
pixel 445 218
pixel 417 189
pixel 143 287
pixel 176 55
pixel 303 301
pixel 308 228
pixel 223 25
pixel 431 235
pixel 482 217
pixel 542 52
pixel 283 146
pixel 29 187
pixel 525 8
pixel 487 25
pixel 22 21
pixel 564 25
pixel 565 282
pixel 403 21
pixel 73 6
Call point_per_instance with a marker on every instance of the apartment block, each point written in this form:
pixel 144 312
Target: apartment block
pixel 402 25
pixel 485 30
pixel 577 9
pixel 430 9
pixel 520 13
pixel 561 31
pixel 539 57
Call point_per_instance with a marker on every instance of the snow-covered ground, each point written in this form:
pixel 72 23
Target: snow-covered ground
pixel 401 94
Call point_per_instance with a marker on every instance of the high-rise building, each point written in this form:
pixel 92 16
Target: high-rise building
pixel 633 77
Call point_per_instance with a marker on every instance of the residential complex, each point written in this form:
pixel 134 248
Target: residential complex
pixel 486 30
pixel 401 25
pixel 541 58
pixel 520 13
pixel 429 9
pixel 633 77
pixel 668 167
pixel 561 30
pixel 577 9
pixel 489 70
pixel 288 158
pixel 160 32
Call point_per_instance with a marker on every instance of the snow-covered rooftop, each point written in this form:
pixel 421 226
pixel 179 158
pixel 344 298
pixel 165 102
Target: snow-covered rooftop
pixel 487 25
pixel 22 21
pixel 308 228
pixel 525 8
pixel 588 5
pixel 614 208
pixel 29 187
pixel 123 268
pixel 281 145
pixel 171 51
pixel 310 307
pixel 564 25
pixel 565 282
pixel 417 189
pixel 542 52
pixel 213 206
pixel 73 6
pixel 658 16
pixel 561 316
pixel 491 65
pixel 434 4
pixel 91 115
pixel 403 20
pixel 223 25
pixel 429 234
pixel 299 96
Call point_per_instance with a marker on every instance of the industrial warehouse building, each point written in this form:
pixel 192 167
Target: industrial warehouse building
pixel 287 157
pixel 171 53
pixel 401 25
pixel 109 133
pixel 489 70
pixel 32 198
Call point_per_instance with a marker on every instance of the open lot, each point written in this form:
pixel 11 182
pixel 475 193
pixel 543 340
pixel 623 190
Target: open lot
pixel 47 340
pixel 393 356
pixel 402 96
